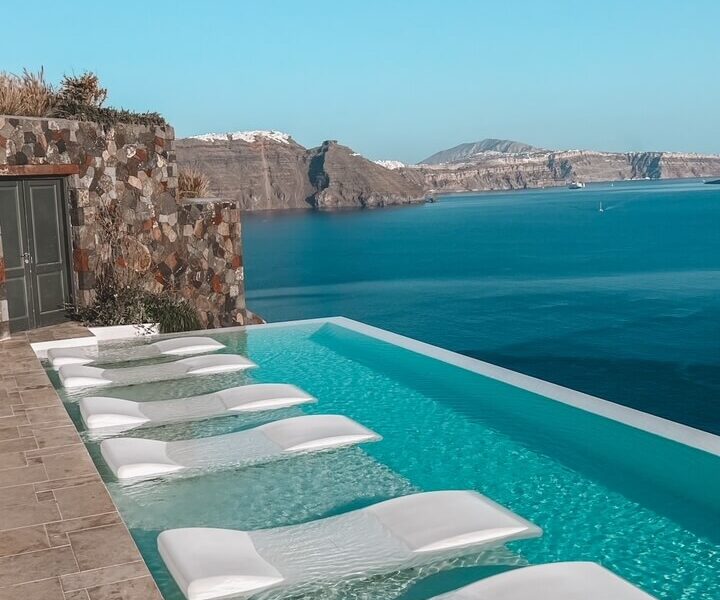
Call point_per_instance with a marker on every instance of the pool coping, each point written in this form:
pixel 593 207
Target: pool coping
pixel 677 432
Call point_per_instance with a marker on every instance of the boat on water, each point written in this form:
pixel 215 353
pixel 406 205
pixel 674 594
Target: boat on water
pixel 601 209
pixel 576 185
pixel 712 182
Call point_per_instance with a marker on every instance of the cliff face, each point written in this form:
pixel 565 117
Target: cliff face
pixel 495 171
pixel 344 178
pixel 260 171
pixel 269 170
pixel 266 170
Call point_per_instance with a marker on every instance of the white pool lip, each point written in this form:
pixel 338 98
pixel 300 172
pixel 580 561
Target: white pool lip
pixel 559 581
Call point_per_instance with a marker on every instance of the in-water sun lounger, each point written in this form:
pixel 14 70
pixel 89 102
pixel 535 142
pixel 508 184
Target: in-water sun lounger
pixel 180 346
pixel 83 376
pixel 392 535
pixel 556 581
pixel 99 412
pixel 139 458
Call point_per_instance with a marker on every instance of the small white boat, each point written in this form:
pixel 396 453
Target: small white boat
pixel 576 185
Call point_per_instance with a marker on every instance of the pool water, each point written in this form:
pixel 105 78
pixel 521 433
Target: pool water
pixel 646 507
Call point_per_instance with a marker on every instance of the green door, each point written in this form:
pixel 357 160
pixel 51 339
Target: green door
pixel 32 227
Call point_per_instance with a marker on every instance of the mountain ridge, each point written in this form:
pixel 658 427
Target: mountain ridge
pixel 468 150
pixel 268 170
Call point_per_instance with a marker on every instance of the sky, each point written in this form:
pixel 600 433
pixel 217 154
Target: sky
pixel 397 79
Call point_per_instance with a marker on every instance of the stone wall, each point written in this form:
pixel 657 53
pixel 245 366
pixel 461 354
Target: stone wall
pixel 126 176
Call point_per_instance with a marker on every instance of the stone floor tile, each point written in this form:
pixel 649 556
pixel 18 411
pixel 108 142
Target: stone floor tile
pixel 56 436
pixel 84 500
pixel 41 397
pixel 29 474
pixel 143 588
pixel 104 576
pixel 33 455
pixel 22 568
pixel 17 494
pixel 17 444
pixel 28 381
pixel 67 482
pixel 45 414
pixel 77 595
pixel 48 589
pixel 11 460
pixel 9 433
pixel 69 464
pixel 33 513
pixel 23 539
pixel 13 421
pixel 103 547
pixel 70 525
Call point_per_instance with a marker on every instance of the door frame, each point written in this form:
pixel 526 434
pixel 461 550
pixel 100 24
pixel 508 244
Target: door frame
pixel 66 240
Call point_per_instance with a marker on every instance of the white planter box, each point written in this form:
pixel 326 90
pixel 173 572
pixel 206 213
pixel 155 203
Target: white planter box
pixel 114 332
pixel 117 332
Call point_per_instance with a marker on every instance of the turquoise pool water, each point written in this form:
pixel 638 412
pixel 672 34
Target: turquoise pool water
pixel 644 506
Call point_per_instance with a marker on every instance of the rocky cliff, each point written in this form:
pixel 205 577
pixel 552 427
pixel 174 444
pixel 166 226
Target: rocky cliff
pixel 499 171
pixel 269 170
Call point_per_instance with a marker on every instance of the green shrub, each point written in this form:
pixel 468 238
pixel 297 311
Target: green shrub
pixel 132 305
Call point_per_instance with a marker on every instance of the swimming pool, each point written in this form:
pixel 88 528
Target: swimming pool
pixel 644 505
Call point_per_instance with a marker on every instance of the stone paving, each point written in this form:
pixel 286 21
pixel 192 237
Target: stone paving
pixel 61 537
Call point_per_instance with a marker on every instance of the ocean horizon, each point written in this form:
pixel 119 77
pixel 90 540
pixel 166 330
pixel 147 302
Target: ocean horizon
pixel 613 290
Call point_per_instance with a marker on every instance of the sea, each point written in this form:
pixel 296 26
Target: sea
pixel 613 290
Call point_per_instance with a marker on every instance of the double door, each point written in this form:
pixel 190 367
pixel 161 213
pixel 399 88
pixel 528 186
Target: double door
pixel 35 246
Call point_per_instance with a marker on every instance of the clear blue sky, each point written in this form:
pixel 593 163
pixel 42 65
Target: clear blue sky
pixel 397 79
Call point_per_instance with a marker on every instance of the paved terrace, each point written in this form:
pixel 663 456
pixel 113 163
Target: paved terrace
pixel 61 537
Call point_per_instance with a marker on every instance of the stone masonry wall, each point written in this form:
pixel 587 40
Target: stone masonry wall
pixel 132 170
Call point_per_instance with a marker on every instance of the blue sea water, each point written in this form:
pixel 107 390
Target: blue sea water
pixel 623 304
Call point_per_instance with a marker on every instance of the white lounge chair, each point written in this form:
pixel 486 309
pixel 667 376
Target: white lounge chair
pixel 555 581
pixel 388 536
pixel 180 346
pixel 100 412
pixel 133 458
pixel 72 376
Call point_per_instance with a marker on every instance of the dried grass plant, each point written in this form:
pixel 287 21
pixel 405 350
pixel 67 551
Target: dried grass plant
pixel 27 94
pixel 193 183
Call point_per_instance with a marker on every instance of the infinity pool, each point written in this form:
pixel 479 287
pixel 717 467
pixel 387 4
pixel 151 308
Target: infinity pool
pixel 642 505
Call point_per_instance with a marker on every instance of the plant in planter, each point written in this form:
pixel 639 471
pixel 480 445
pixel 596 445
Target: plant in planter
pixel 121 294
